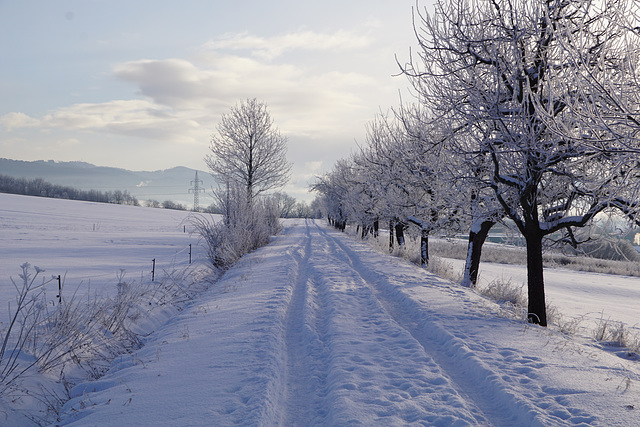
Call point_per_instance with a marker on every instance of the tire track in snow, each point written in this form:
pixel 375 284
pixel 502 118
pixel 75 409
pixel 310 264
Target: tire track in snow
pixel 377 373
pixel 493 414
pixel 475 380
pixel 306 370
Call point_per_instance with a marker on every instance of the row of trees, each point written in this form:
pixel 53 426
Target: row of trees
pixel 41 188
pixel 526 110
pixel 167 204
pixel 289 207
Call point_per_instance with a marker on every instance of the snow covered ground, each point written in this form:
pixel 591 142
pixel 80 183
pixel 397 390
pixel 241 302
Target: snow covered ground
pixel 589 297
pixel 317 329
pixel 88 243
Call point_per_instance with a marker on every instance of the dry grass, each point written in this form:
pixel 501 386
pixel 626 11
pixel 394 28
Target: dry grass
pixel 77 339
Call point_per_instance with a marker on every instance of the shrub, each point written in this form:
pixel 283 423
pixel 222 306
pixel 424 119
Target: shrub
pixel 504 292
pixel 616 333
pixel 21 329
pixel 241 230
pixel 618 250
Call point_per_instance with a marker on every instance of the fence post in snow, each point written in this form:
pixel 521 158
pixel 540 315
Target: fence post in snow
pixel 153 270
pixel 189 253
pixel 59 296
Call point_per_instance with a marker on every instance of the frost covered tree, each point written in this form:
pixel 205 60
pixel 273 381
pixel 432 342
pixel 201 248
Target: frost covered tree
pixel 335 188
pixel 401 171
pixel 248 150
pixel 540 99
pixel 247 157
pixel 286 204
pixel 423 193
pixel 379 159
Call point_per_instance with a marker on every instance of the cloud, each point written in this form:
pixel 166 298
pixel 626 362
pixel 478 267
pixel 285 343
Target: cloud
pixel 270 48
pixel 67 143
pixel 138 118
pixel 319 101
pixel 17 120
pixel 176 83
pixel 302 102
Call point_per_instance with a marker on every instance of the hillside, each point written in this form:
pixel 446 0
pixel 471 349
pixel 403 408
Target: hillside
pixel 170 184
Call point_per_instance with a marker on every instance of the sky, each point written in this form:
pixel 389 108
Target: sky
pixel 141 85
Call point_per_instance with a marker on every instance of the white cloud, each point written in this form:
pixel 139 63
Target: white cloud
pixel 17 120
pixel 319 102
pixel 138 118
pixel 313 167
pixel 128 117
pixel 302 101
pixel 270 48
pixel 67 143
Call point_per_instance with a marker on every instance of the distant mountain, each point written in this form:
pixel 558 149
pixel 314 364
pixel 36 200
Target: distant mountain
pixel 170 184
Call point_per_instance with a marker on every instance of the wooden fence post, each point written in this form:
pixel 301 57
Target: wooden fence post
pixel 59 290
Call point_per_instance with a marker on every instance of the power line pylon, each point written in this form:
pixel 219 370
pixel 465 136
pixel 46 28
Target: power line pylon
pixel 196 189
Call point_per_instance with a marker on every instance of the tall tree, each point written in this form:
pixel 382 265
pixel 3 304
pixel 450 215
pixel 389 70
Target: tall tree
pixel 541 101
pixel 248 152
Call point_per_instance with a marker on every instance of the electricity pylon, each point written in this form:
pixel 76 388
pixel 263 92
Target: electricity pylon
pixel 195 189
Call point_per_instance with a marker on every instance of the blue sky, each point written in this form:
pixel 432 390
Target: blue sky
pixel 142 84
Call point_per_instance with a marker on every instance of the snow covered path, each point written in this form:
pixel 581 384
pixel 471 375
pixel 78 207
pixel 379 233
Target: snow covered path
pixel 317 329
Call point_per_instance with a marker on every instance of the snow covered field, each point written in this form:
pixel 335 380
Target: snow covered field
pixel 589 297
pixel 314 329
pixel 87 243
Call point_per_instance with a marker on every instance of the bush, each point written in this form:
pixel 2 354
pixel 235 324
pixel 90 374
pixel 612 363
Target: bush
pixel 618 250
pixel 21 329
pixel 505 292
pixel 616 333
pixel 241 230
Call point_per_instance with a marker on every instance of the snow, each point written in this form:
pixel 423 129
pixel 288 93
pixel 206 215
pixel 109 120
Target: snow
pixel 88 243
pixel 589 297
pixel 317 329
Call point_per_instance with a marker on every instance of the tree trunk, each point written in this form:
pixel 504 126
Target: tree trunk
pixel 424 247
pixel 477 237
pixel 376 228
pixel 400 233
pixel 537 311
pixel 391 236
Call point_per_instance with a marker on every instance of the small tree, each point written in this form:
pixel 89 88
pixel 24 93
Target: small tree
pixel 248 150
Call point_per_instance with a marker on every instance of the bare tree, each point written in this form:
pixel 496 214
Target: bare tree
pixel 286 204
pixel 249 151
pixel 540 98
